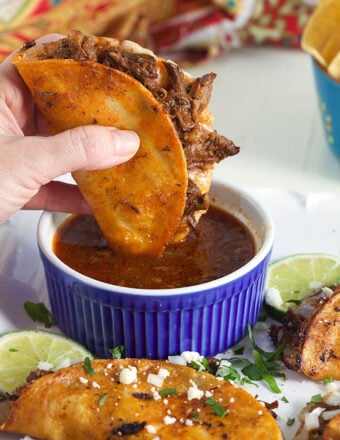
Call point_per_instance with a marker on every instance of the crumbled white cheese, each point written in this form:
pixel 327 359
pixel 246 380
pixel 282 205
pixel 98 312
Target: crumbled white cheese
pixel 328 415
pixel 191 356
pixel 128 375
pixel 273 297
pixel 163 373
pixel 327 292
pixel 155 394
pixel 154 379
pixel 96 385
pixel 44 365
pixel 150 429
pixel 189 422
pixel 331 387
pixel 208 394
pixel 334 398
pixel 158 379
pixel 179 360
pixel 83 380
pixel 26 438
pixel 312 418
pixel 195 393
pixel 169 420
pixel 315 285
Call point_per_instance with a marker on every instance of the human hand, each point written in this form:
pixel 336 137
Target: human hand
pixel 30 158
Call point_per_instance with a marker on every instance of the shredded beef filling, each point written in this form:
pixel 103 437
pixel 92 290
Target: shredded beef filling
pixel 184 102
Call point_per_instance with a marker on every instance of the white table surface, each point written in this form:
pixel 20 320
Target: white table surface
pixel 265 101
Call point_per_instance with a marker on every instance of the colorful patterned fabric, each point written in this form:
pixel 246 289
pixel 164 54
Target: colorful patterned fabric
pixel 185 30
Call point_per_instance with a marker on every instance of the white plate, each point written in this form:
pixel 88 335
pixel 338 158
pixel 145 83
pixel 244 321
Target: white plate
pixel 303 224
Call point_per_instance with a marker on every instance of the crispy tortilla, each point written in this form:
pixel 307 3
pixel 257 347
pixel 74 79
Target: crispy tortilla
pixel 137 398
pixel 311 335
pixel 139 204
pixel 332 429
pixel 160 194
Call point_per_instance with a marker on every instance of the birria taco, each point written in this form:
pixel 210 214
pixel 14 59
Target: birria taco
pixel 136 399
pixel 160 194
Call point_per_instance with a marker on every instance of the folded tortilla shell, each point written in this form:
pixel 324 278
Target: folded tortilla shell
pixel 156 399
pixel 139 204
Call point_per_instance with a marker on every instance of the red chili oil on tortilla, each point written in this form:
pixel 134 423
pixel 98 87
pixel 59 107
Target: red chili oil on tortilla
pixel 219 245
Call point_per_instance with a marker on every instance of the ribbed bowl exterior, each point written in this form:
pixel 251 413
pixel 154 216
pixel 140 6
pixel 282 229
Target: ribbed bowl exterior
pixel 208 318
pixel 154 326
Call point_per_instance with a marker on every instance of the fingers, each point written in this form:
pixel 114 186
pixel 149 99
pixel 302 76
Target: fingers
pixel 49 38
pixel 61 197
pixel 82 148
pixel 14 92
pixel 28 163
pixel 7 67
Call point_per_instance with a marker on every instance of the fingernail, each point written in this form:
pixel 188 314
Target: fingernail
pixel 126 142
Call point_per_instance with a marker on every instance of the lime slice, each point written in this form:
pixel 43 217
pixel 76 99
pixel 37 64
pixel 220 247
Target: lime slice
pixel 24 351
pixel 293 278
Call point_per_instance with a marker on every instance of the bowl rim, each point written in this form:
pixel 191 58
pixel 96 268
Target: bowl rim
pixel 226 279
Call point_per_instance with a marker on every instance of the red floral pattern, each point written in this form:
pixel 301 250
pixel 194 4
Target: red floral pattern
pixel 186 30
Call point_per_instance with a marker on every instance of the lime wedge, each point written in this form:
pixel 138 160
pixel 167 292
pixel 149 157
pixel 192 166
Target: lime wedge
pixel 24 351
pixel 293 278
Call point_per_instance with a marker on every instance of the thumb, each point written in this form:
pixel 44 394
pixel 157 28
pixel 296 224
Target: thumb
pixel 82 148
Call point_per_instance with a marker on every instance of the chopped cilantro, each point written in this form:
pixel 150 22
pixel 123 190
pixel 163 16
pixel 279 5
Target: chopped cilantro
pixel 201 366
pixel 328 380
pixel 252 372
pixel 231 374
pixel 195 415
pixel 216 407
pixel 205 364
pixel 38 312
pixel 13 350
pixel 267 375
pixel 317 398
pixel 168 392
pixel 117 352
pixel 266 364
pixel 103 399
pixel 88 367
pixel 290 421
pixel 284 399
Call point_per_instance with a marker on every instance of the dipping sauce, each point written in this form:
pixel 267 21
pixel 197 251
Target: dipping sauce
pixel 219 245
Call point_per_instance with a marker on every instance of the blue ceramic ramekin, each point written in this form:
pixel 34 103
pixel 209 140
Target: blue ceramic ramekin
pixel 328 91
pixel 208 318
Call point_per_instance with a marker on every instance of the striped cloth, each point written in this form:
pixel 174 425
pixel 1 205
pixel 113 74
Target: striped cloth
pixel 184 30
